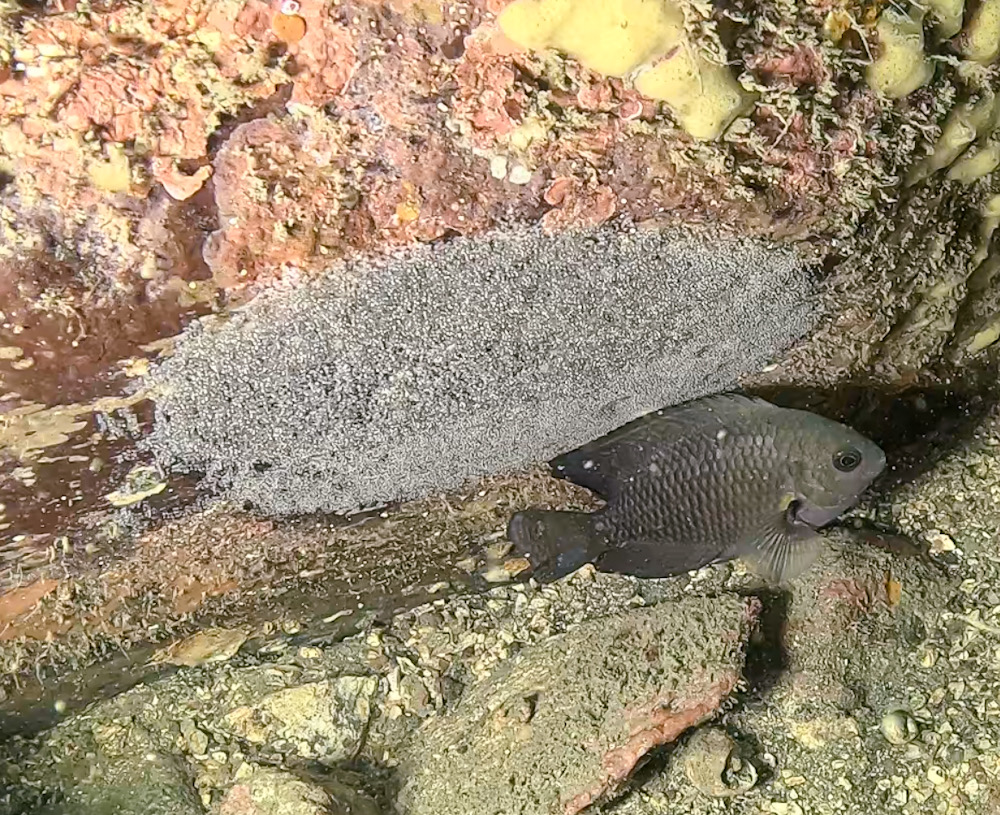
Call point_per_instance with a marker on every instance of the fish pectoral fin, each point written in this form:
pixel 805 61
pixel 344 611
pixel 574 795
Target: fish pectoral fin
pixel 782 552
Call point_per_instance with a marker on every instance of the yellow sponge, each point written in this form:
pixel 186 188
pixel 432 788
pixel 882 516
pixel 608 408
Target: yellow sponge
pixel 619 37
pixel 114 174
pixel 975 164
pixel 981 42
pixel 612 37
pixel 901 65
pixel 703 95
pixel 947 16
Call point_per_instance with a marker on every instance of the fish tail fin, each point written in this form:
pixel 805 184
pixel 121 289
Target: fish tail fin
pixel 556 543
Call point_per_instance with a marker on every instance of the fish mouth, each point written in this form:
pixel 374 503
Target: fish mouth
pixel 813 516
pixel 878 465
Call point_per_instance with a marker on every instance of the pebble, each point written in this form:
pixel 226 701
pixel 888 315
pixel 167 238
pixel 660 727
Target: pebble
pixel 713 765
pixel 936 775
pixel 784 808
pixel 519 174
pixel 940 542
pixel 899 727
pixel 498 167
pixel 198 742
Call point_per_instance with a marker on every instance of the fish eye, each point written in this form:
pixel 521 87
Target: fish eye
pixel 847 459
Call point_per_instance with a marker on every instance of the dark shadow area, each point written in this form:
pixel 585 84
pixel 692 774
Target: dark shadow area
pixel 24 801
pixel 45 699
pixel 764 663
pixel 766 658
pixel 916 426
pixel 229 122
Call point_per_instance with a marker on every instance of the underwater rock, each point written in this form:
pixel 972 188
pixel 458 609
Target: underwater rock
pixel 712 762
pixel 326 719
pixel 563 724
pixel 139 783
pixel 266 791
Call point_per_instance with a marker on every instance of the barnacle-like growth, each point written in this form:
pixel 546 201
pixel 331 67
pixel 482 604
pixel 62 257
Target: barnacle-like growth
pixel 902 65
pixel 965 124
pixel 644 38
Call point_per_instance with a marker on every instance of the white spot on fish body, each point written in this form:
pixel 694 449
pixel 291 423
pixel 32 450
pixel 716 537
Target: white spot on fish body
pixel 721 434
pixel 654 468
pixel 588 464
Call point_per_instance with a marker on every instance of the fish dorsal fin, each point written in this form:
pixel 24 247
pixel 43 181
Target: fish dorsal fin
pixel 597 464
pixel 781 551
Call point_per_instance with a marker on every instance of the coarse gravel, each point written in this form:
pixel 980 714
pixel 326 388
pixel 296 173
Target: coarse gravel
pixel 395 377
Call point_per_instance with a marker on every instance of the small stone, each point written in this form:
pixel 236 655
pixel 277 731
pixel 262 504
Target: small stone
pixel 498 167
pixel 899 727
pixel 940 542
pixel 496 574
pixel 515 565
pixel 713 765
pixel 415 696
pixel 519 175
pixel 936 775
pixel 198 742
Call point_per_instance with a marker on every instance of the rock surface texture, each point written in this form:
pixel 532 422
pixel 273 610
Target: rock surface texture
pixel 333 254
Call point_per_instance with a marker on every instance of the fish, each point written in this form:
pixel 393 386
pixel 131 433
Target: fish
pixel 719 478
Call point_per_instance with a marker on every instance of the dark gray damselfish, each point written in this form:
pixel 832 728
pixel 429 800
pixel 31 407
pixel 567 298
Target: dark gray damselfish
pixel 718 478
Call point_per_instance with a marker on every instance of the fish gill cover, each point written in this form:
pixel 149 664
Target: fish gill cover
pixel 393 378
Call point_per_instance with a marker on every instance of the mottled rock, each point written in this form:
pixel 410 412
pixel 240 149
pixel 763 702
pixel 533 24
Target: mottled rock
pixel 324 719
pixel 137 784
pixel 563 724
pixel 266 791
pixel 712 763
